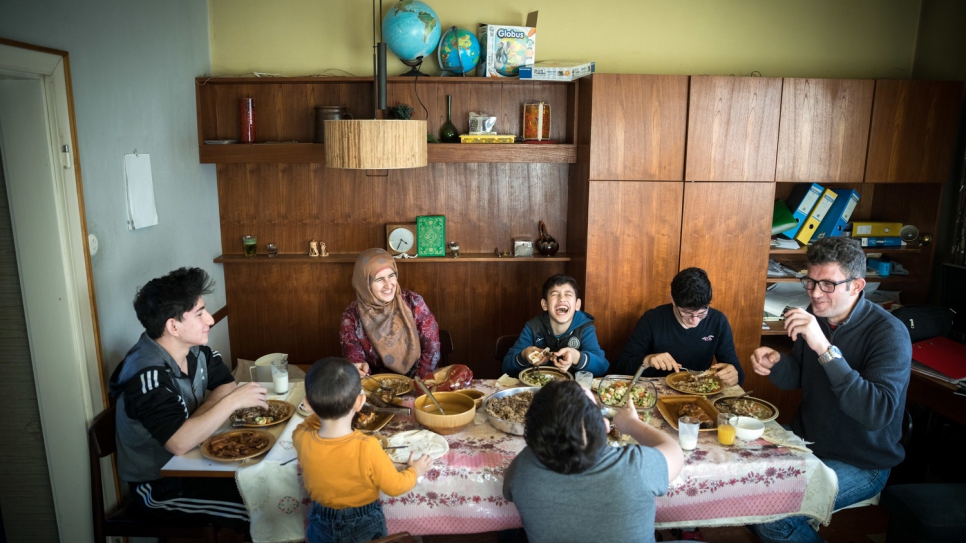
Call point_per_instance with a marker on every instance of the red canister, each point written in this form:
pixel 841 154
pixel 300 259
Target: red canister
pixel 246 108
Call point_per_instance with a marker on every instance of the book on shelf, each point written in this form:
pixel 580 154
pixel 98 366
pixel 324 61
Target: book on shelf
pixel 814 219
pixel 800 202
pixel 557 70
pixel 882 242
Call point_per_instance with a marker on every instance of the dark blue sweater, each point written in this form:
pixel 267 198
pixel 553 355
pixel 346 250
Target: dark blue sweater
pixel 852 406
pixel 658 331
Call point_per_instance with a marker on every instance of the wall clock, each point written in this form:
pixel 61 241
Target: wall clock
pixel 401 238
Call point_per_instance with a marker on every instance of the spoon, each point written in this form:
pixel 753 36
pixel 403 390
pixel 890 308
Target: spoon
pixel 422 387
pixel 637 376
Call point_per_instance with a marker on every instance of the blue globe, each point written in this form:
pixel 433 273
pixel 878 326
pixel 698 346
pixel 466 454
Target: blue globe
pixel 459 51
pixel 411 30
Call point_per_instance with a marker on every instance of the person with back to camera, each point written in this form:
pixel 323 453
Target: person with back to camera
pixel 569 485
pixel 686 333
pixel 343 469
pixel 162 411
pixel 567 332
pixel 387 328
pixel 851 359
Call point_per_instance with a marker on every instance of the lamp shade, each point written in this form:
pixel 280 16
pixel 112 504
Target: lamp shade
pixel 377 144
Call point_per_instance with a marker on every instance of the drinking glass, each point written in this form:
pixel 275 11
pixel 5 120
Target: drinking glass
pixel 726 428
pixel 688 432
pixel 280 376
pixel 585 379
pixel 272 250
pixel 250 244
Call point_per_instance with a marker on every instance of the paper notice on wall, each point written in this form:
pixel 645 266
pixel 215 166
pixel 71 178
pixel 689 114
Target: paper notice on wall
pixel 141 211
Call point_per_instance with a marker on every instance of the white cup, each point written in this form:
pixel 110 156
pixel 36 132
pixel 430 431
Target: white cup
pixel 280 376
pixel 688 432
pixel 585 379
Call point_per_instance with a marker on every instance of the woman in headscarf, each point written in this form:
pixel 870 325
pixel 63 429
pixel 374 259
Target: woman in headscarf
pixel 387 328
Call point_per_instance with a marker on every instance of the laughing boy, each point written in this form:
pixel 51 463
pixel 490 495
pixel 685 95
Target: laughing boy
pixel 562 335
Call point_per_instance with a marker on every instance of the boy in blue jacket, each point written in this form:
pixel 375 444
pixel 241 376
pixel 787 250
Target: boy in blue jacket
pixel 562 335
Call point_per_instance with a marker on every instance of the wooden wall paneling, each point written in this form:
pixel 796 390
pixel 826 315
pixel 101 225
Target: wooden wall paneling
pixel 638 127
pixel 406 92
pixel 733 128
pixel 913 131
pixel 824 130
pixel 633 243
pixel 578 192
pixel 726 230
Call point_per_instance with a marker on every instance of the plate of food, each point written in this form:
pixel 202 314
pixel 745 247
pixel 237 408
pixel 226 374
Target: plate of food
pixel 237 445
pixel 673 407
pixel 368 421
pixel 703 384
pixel 747 407
pixel 400 384
pixel 507 409
pixel 537 376
pixel 257 417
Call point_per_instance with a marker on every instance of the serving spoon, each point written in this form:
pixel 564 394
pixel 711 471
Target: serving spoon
pixel 422 387
pixel 637 376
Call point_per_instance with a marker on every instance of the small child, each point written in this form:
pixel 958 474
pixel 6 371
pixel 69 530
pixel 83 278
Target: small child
pixel 563 328
pixel 344 469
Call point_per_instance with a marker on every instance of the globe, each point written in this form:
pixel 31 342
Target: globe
pixel 459 51
pixel 411 31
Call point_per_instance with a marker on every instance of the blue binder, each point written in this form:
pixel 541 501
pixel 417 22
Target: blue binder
pixel 801 201
pixel 838 215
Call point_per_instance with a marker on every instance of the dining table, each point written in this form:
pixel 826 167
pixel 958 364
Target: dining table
pixel 747 483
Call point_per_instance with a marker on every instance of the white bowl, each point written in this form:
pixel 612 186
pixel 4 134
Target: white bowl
pixel 749 428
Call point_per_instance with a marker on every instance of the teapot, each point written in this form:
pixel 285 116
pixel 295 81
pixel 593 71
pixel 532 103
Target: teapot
pixel 546 245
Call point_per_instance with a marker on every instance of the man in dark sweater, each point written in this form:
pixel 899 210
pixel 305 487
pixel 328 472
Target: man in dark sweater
pixel 851 359
pixel 686 333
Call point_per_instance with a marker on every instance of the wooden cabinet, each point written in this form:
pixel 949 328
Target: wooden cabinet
pixel 913 131
pixel 824 130
pixel 733 128
pixel 637 127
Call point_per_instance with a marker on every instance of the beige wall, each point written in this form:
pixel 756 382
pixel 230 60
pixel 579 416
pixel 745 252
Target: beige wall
pixel 814 38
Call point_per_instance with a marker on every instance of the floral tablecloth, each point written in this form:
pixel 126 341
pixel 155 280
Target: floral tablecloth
pixel 463 492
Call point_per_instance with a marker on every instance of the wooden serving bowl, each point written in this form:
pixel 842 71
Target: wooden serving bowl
pixel 426 413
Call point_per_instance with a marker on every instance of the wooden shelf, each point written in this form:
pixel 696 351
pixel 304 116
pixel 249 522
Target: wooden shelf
pixel 883 250
pixel 294 152
pixel 350 258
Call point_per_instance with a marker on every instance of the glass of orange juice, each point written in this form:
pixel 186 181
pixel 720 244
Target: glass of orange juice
pixel 726 428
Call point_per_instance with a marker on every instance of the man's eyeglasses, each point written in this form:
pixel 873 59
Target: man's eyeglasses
pixel 826 286
pixel 699 314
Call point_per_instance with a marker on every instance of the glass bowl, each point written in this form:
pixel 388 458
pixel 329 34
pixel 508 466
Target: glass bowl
pixel 611 391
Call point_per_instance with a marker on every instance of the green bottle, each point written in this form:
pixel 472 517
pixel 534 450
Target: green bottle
pixel 447 132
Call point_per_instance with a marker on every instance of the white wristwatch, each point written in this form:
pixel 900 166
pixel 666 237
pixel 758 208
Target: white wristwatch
pixel 827 356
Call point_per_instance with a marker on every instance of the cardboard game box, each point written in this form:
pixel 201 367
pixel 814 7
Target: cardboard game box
pixel 557 70
pixel 504 49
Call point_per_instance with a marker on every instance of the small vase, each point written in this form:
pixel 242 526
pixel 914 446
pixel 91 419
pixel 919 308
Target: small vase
pixel 447 132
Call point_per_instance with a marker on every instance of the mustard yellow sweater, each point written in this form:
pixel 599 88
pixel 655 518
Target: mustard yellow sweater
pixel 347 471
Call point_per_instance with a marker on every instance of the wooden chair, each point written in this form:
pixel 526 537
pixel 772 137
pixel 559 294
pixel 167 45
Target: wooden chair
pixel 445 347
pixel 401 537
pixel 126 521
pixel 503 344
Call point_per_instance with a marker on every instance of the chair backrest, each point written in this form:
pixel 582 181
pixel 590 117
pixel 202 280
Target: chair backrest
pixel 503 344
pixel 100 443
pixel 445 347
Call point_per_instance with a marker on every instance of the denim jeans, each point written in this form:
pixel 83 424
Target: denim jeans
pixel 351 525
pixel 855 485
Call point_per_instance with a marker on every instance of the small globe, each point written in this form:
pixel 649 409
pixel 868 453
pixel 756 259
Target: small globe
pixel 459 51
pixel 411 31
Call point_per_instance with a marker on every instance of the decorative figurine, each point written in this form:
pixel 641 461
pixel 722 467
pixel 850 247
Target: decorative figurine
pixel 313 248
pixel 322 252
pixel 454 248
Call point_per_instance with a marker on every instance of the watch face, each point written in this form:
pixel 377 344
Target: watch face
pixel 401 240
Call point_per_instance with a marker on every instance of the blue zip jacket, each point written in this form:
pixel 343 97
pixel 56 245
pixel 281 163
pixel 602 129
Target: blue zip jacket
pixel 581 336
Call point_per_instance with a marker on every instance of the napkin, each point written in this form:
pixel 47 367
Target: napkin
pixel 784 438
pixel 507 381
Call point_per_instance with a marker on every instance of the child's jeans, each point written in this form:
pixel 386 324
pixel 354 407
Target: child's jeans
pixel 350 525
